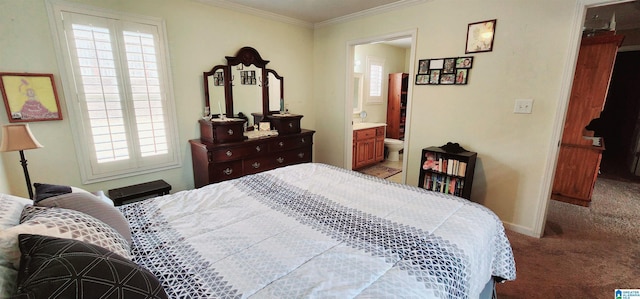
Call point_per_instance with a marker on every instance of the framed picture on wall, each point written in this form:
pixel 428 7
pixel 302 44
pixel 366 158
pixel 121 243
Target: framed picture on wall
pixel 30 97
pixel 480 36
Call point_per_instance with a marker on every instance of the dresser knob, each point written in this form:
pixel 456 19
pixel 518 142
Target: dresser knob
pixel 229 153
pixel 302 140
pixel 290 125
pixel 301 155
pixel 255 165
pixel 228 171
pixel 280 160
pixel 230 132
pixel 257 148
pixel 281 144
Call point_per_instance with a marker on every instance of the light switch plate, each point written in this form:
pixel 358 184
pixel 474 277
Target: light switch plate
pixel 523 106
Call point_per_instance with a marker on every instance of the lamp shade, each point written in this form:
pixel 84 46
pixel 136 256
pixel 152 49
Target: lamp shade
pixel 16 137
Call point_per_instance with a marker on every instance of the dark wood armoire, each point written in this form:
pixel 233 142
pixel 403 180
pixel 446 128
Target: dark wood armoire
pixel 581 151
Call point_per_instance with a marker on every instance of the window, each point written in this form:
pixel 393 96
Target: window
pixel 117 90
pixel 375 69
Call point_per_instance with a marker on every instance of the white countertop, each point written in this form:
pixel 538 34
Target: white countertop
pixel 360 126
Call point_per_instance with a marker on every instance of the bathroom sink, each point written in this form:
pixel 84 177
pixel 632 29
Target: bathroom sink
pixel 360 126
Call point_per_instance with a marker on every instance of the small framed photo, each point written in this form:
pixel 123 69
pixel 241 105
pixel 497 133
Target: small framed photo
pixel 218 78
pixel 422 79
pixel 423 66
pixel 461 76
pixel 447 78
pixel 449 65
pixel 464 62
pixel 30 97
pixel 480 36
pixel 434 76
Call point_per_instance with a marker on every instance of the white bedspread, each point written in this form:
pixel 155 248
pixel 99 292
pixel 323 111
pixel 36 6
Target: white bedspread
pixel 313 230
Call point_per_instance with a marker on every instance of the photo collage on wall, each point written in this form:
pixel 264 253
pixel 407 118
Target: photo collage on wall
pixel 444 71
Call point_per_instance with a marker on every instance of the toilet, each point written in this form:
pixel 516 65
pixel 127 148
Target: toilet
pixel 394 146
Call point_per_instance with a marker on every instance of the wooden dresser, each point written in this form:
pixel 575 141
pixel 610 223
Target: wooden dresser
pixel 579 156
pixel 216 162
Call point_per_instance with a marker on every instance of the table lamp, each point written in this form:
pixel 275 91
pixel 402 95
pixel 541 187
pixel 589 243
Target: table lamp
pixel 18 137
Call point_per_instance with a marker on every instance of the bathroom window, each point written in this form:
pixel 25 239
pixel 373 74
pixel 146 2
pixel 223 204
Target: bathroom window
pixel 375 70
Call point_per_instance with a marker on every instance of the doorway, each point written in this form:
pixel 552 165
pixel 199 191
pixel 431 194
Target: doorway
pixel 358 83
pixel 619 120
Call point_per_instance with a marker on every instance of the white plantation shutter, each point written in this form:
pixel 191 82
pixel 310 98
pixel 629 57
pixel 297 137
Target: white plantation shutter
pixel 375 70
pixel 120 92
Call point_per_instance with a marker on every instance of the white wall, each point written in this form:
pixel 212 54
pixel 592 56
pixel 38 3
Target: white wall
pixel 394 62
pixel 199 35
pixel 531 49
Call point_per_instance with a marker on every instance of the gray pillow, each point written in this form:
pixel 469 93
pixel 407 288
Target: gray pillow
pixel 92 205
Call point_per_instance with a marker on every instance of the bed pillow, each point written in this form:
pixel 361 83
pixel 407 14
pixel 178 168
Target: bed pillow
pixel 92 205
pixel 10 210
pixel 44 191
pixel 48 190
pixel 97 273
pixel 62 223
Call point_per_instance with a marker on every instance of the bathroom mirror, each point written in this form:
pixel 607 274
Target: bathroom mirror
pixel 247 86
pixel 357 92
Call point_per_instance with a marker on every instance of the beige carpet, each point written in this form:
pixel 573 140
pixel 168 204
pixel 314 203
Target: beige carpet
pixel 585 252
pixel 380 171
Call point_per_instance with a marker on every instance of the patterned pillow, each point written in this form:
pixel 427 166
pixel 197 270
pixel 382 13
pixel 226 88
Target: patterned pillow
pixel 92 205
pixel 48 263
pixel 63 223
pixel 10 209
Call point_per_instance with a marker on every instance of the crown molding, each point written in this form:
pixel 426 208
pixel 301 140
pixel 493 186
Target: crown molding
pixel 277 17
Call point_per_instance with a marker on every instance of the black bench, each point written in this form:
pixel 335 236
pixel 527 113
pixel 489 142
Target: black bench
pixel 138 192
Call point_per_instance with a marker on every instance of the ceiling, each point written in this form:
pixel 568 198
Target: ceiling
pixel 627 15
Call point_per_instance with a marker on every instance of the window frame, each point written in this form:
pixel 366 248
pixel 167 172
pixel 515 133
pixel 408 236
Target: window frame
pixel 82 135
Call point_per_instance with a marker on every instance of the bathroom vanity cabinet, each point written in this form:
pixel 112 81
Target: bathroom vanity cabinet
pixel 447 172
pixel 368 146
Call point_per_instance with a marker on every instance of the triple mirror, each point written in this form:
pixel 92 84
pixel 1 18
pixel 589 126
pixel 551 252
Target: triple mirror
pixel 243 86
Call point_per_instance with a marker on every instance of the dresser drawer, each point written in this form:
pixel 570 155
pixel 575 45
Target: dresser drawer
pixel 290 157
pixel 258 164
pixel 289 143
pixel 235 153
pixel 225 171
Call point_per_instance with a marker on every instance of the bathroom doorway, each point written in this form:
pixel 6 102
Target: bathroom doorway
pixel 371 61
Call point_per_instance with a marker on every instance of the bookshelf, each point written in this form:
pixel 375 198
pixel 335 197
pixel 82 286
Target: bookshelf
pixel 447 169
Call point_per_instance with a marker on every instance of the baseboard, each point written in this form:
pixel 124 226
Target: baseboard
pixel 520 229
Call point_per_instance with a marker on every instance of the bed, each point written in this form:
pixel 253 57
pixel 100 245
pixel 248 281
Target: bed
pixel 315 230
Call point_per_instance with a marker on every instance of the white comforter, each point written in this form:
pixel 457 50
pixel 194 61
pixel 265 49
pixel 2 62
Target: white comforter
pixel 313 230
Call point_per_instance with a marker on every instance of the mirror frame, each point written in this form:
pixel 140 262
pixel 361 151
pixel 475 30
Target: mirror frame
pixel 266 101
pixel 248 56
pixel 226 73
